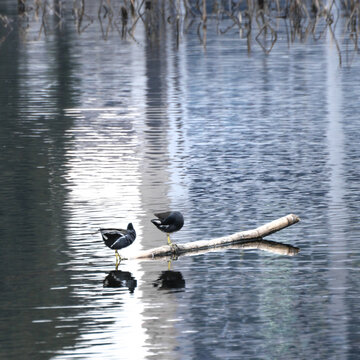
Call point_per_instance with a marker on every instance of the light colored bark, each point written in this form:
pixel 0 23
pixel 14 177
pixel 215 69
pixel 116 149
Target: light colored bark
pixel 248 239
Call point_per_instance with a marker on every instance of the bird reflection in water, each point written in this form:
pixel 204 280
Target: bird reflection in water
pixel 120 279
pixel 169 280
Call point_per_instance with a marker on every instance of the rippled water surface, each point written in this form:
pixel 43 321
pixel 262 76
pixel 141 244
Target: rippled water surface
pixel 97 133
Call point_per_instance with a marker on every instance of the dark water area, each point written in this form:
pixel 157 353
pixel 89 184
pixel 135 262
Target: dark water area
pixel 97 133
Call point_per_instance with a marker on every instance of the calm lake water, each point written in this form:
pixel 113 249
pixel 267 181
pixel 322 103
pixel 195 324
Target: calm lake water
pixel 99 132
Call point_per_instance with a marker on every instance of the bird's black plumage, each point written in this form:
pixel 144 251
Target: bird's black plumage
pixel 117 239
pixel 169 222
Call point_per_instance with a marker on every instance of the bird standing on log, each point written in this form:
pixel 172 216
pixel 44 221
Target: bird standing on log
pixel 169 222
pixel 117 239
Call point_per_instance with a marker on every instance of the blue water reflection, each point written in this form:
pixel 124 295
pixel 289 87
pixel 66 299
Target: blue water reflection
pixel 111 132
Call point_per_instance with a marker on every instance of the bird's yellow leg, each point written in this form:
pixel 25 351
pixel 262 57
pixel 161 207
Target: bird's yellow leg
pixel 168 239
pixel 118 258
pixel 169 265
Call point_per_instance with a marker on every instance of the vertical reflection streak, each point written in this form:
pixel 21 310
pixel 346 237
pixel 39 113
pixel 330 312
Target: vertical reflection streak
pixel 104 180
pixel 337 273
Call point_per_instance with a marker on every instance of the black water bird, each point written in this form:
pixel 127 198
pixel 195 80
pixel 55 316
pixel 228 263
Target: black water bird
pixel 169 222
pixel 117 239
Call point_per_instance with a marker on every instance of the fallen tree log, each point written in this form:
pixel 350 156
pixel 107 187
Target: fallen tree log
pixel 207 245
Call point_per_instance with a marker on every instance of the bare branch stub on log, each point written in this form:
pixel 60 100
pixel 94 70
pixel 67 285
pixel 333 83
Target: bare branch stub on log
pixel 225 241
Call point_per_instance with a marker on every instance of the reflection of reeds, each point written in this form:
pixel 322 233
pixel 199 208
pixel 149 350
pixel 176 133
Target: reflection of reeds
pixel 254 19
pixel 5 24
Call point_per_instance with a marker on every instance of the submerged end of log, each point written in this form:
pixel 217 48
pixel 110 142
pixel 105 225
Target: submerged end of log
pixel 201 245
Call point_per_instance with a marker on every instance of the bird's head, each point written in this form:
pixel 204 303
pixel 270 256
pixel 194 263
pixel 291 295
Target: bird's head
pixel 130 226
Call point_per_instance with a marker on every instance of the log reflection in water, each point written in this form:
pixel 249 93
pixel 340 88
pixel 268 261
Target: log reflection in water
pixel 259 244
